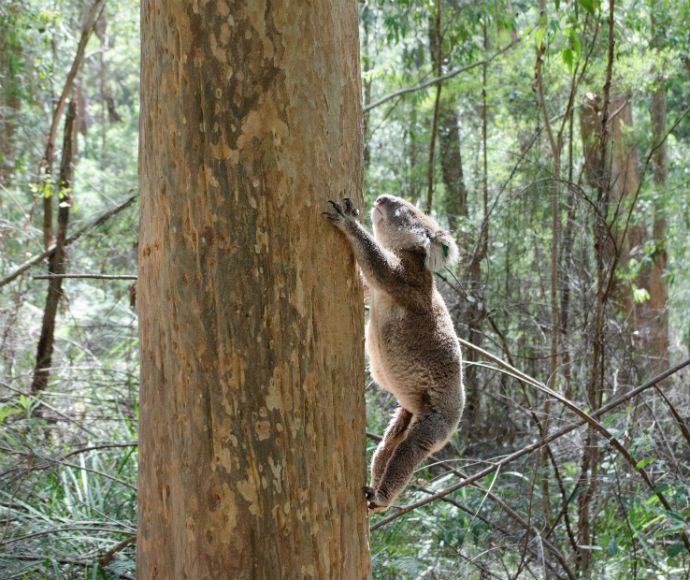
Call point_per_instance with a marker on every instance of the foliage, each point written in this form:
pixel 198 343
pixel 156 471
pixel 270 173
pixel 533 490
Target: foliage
pixel 68 454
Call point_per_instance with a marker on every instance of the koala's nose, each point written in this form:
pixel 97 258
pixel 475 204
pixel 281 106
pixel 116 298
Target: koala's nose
pixel 382 199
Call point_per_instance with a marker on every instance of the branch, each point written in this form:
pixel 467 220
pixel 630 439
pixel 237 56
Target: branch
pixel 95 276
pixel 431 82
pixel 109 556
pixel 70 239
pixel 98 447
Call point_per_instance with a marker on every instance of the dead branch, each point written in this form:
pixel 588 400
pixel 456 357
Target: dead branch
pixel 436 80
pixel 90 276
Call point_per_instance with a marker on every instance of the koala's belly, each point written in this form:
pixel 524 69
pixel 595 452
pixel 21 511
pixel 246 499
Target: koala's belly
pixel 416 358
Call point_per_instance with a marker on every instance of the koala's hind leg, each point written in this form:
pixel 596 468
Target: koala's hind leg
pixel 428 433
pixel 395 433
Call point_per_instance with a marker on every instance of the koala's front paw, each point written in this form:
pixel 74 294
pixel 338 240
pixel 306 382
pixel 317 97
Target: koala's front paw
pixel 342 215
pixel 375 502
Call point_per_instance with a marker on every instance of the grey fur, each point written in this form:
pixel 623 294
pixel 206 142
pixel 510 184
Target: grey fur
pixel 412 345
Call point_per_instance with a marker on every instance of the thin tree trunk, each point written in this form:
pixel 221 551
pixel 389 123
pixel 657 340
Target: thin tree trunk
pixel 590 454
pixel 448 139
pixel 252 423
pixel 555 141
pixel 56 264
pixel 451 165
pixel 567 261
pixel 476 313
pixel 366 16
pixel 436 48
pixel 657 322
pixel 47 160
pixel 10 91
pixel 411 185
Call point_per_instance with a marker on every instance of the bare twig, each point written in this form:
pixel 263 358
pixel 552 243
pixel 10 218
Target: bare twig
pixel 94 276
pixel 434 81
pixel 98 447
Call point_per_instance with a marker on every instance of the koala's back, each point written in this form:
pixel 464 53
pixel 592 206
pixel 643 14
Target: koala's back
pixel 415 354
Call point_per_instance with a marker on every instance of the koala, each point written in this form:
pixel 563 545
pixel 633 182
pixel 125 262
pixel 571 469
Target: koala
pixel 413 349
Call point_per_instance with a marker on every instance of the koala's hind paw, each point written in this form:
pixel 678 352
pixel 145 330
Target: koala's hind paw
pixel 341 214
pixel 375 503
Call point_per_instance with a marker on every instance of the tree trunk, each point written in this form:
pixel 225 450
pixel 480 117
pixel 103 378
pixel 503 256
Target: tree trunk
pixel 647 315
pixel 451 165
pixel 252 422
pixel 56 262
pixel 47 160
pixel 10 90
pixel 366 17
pixel 436 50
pixel 657 321
pixel 597 117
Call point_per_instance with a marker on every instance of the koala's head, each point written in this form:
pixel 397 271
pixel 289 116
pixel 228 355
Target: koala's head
pixel 399 225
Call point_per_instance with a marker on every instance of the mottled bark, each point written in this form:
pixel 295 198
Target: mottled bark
pixel 251 447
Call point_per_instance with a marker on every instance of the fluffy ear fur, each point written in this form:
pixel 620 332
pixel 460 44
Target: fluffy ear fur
pixel 442 251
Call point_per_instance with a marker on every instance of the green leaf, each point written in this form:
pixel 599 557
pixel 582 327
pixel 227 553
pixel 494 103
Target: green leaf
pixel 612 547
pixel 640 294
pixel 8 412
pixel 567 55
pixel 538 36
pixel 644 462
pixel 589 5
pixel 575 43
pixel 674 549
pixel 675 516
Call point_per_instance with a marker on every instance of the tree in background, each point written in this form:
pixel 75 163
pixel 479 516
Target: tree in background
pixel 252 425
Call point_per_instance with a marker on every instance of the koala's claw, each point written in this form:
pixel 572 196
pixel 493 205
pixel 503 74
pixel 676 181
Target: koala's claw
pixel 341 214
pixel 349 209
pixel 372 503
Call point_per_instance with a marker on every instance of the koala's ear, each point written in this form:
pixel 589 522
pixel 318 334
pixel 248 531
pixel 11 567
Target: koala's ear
pixel 442 251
